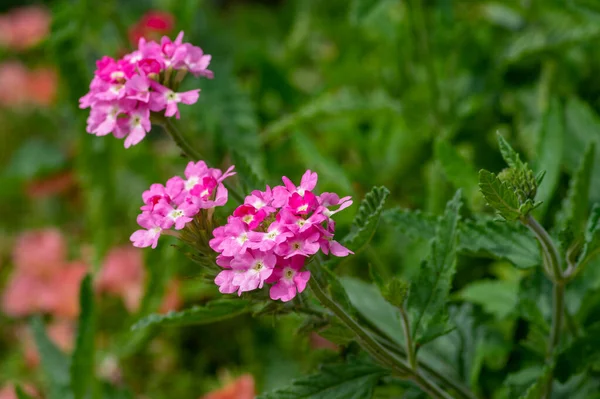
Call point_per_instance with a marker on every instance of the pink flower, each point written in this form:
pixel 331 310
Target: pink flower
pixel 124 92
pixel 147 237
pixel 177 203
pixel 268 239
pixel 153 23
pixel 24 27
pixel 123 275
pixel 40 252
pixel 63 296
pixel 289 280
pixel 253 268
pixel 167 99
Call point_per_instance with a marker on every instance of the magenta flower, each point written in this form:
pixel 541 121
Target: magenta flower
pixel 269 237
pixel 124 92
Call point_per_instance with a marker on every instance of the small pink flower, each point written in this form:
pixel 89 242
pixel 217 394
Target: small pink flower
pixel 250 215
pixel 304 244
pixel 167 99
pixel 290 281
pixel 253 267
pixel 152 229
pixel 240 388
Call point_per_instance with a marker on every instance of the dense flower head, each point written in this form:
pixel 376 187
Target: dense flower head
pixel 124 92
pixel 270 236
pixel 176 203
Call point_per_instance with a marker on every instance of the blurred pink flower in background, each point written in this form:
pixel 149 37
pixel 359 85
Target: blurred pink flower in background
pixel 43 280
pixel 24 27
pixel 240 388
pixel 151 26
pixel 22 87
pixel 123 275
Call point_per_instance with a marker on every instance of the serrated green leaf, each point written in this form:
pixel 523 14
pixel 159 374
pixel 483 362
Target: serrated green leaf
pixel 510 156
pixel 499 196
pixel 507 241
pixel 396 291
pixel 429 292
pixel 212 312
pixel 460 172
pixel 497 297
pixel 82 362
pixel 366 219
pixel 550 150
pixel 575 206
pixel 579 355
pixel 337 333
pixel 247 174
pixel 340 381
pixel 55 364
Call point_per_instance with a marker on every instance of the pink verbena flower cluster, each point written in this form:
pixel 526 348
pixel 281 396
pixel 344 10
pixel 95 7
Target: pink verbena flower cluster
pixel 269 237
pixel 176 203
pixel 124 92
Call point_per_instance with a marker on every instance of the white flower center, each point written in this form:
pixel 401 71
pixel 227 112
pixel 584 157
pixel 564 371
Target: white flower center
pixel 288 274
pixel 272 235
pixel 191 182
pixel 258 266
pixel 242 238
pixel 176 214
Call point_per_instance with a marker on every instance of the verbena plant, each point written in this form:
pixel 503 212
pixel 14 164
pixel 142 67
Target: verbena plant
pixel 412 333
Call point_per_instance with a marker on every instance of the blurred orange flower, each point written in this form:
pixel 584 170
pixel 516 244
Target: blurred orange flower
pixel 240 388
pixel 22 87
pixel 151 26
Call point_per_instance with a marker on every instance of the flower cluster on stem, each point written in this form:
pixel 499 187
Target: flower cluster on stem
pixel 269 237
pixel 125 92
pixel 175 204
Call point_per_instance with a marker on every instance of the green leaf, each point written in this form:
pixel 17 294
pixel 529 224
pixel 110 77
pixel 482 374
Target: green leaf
pixel 460 172
pixel 507 241
pixel 497 297
pixel 55 364
pixel 550 150
pixel 82 363
pixel 429 293
pixel 591 236
pixel 371 305
pixel 212 312
pixel 576 204
pixel 337 332
pixel 582 352
pixel 510 156
pixel 366 219
pixel 396 291
pixel 499 196
pixel 536 390
pixel 481 237
pixel 247 173
pixel 583 127
pixel 339 381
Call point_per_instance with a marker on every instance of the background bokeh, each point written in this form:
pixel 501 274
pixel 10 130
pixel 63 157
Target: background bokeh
pixel 406 94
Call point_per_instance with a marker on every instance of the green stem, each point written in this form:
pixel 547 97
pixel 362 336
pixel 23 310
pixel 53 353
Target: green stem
pixel 399 367
pixel 547 246
pixel 410 350
pixel 552 257
pixel 462 390
pixel 189 151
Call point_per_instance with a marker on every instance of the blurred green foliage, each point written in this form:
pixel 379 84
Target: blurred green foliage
pixel 403 94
